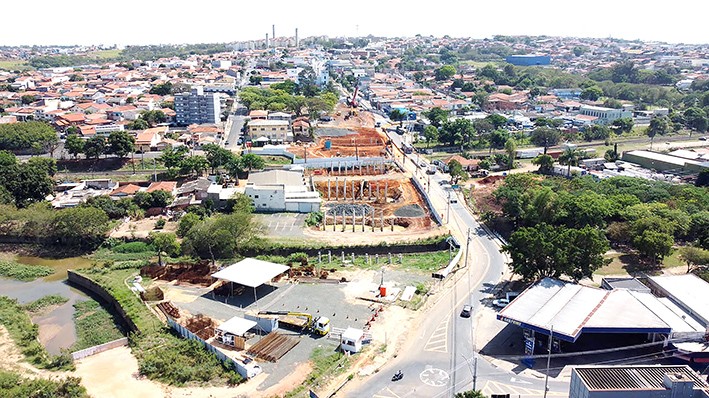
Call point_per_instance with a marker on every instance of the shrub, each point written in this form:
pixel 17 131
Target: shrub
pixel 160 224
pixel 133 247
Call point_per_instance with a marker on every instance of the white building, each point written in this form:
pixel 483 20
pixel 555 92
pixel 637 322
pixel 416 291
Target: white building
pixel 281 190
pixel 197 107
pixel 604 116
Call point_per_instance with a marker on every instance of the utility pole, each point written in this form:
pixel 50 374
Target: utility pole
pixel 467 249
pixel 475 371
pixel 448 208
pixel 546 379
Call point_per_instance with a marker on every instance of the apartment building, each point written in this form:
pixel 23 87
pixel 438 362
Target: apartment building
pixel 274 131
pixel 604 116
pixel 197 107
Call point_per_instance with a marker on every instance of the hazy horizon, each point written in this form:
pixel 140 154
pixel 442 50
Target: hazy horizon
pixel 81 22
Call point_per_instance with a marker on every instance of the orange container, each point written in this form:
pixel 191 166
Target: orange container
pixel 382 291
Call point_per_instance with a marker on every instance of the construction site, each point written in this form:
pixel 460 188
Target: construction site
pixel 272 327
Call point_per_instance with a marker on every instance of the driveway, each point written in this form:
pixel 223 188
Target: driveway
pixel 283 224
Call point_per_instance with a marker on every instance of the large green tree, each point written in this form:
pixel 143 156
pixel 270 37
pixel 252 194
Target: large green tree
pixel 29 137
pixel 25 182
pixel 220 236
pixel 457 172
pixel 216 156
pixel 437 116
pixel 660 125
pixel 74 145
pixel 94 147
pixel 84 227
pixel 173 157
pixel 121 143
pixel 430 133
pixel 164 242
pixel 545 137
pixel 445 72
pixel 252 162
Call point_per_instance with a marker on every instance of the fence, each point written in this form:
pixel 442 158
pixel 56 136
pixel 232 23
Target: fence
pixel 87 352
pixel 95 288
pixel 431 209
pixel 247 371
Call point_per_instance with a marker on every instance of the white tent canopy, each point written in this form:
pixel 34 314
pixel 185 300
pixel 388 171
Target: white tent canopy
pixel 237 326
pixel 251 272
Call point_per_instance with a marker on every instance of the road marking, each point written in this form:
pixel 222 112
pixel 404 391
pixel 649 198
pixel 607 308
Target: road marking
pixel 434 377
pixel 438 341
pixel 493 387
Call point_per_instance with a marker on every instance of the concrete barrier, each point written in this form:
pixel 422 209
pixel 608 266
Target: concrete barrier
pixel 427 199
pixel 93 287
pixel 87 352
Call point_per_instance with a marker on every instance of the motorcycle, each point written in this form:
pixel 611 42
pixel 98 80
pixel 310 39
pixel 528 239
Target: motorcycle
pixel 397 376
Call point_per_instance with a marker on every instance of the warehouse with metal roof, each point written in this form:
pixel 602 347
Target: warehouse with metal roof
pixel 654 381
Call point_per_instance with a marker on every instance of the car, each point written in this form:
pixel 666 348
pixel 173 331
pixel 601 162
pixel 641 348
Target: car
pixel 467 309
pixel 453 199
pixel 500 303
pixel 703 138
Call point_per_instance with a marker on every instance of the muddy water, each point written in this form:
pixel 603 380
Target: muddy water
pixel 56 327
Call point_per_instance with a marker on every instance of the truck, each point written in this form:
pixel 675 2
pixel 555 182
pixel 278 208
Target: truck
pixel 302 321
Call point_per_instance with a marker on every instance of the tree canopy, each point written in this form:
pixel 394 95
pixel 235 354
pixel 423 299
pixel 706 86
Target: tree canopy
pixel 27 137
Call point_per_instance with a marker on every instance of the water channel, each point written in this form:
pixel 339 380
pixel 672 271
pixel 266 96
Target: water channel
pixel 56 327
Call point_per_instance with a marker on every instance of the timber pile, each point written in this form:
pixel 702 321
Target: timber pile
pixel 272 347
pixel 169 309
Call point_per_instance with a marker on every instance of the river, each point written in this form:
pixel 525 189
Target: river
pixel 56 327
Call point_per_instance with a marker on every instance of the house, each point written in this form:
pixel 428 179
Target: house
pixel 167 186
pixel 125 191
pixel 468 164
pixel 147 140
pixel 281 190
pixel 640 381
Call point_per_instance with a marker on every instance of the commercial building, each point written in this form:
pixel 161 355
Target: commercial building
pixel 281 190
pixel 567 311
pixel 604 115
pixel 528 60
pixel 637 382
pixel 663 162
pixel 197 107
pixel 273 131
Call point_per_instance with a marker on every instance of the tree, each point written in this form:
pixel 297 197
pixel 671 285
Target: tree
pixel 74 145
pixel 545 250
pixel 696 119
pixel 545 163
pixel 154 117
pixel 173 157
pixel 255 80
pixel 162 89
pixel 187 221
pixel 251 161
pixel 164 242
pixel 653 244
pixel 570 157
pixel 660 125
pixel 437 116
pixel 694 257
pixel 138 124
pixel 26 182
pixel 456 171
pixel 611 155
pixel 48 165
pixel 397 115
pixel 216 156
pixel 219 236
pixel 592 93
pixel 27 99
pixel 445 72
pixel 430 133
pixel 34 137
pixel 120 143
pixel 94 147
pixel 470 394
pixel 545 136
pixel 511 150
pixel 596 132
pixel 194 164
pixel 458 131
pixel 84 227
pixel 623 125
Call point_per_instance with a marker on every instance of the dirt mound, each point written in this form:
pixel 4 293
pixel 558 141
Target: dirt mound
pixel 410 211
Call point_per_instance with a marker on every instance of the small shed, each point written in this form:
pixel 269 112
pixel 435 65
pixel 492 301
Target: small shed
pixel 234 327
pixel 351 340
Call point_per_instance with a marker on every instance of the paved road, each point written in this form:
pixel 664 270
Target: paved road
pixel 437 359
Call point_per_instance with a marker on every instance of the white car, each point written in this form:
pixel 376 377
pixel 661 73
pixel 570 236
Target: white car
pixel 500 303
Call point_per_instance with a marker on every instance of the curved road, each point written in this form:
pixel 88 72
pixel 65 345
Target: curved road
pixel 437 357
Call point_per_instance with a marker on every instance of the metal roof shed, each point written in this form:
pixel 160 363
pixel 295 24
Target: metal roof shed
pixel 237 326
pixel 688 291
pixel 251 272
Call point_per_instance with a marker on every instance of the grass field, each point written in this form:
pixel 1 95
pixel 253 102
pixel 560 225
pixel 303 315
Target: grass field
pixel 14 64
pixel 94 325
pixel 430 261
pixel 624 264
pixel 276 160
pixel 106 54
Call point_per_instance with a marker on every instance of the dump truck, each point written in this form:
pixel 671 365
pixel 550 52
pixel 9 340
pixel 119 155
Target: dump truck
pixel 301 321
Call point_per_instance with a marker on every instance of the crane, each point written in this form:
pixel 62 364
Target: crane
pixel 319 325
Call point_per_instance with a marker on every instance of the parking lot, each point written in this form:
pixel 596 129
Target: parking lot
pixel 283 224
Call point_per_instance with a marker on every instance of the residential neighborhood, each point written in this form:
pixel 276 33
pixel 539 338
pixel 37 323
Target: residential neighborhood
pixel 356 216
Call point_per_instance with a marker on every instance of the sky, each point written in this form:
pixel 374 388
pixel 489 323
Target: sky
pixel 125 22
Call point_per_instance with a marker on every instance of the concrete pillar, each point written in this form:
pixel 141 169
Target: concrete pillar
pixel 353 219
pixel 376 258
pixel 364 212
pixel 366 258
pixel 386 191
pixel 382 215
pixel 343 256
pixel 389 258
pixel 353 190
pixel 319 256
pixel 353 258
pixel 328 189
pixel 334 222
pixel 344 189
pixel 361 189
pixel 343 220
pixel 337 188
pixel 329 256
pixel 369 184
